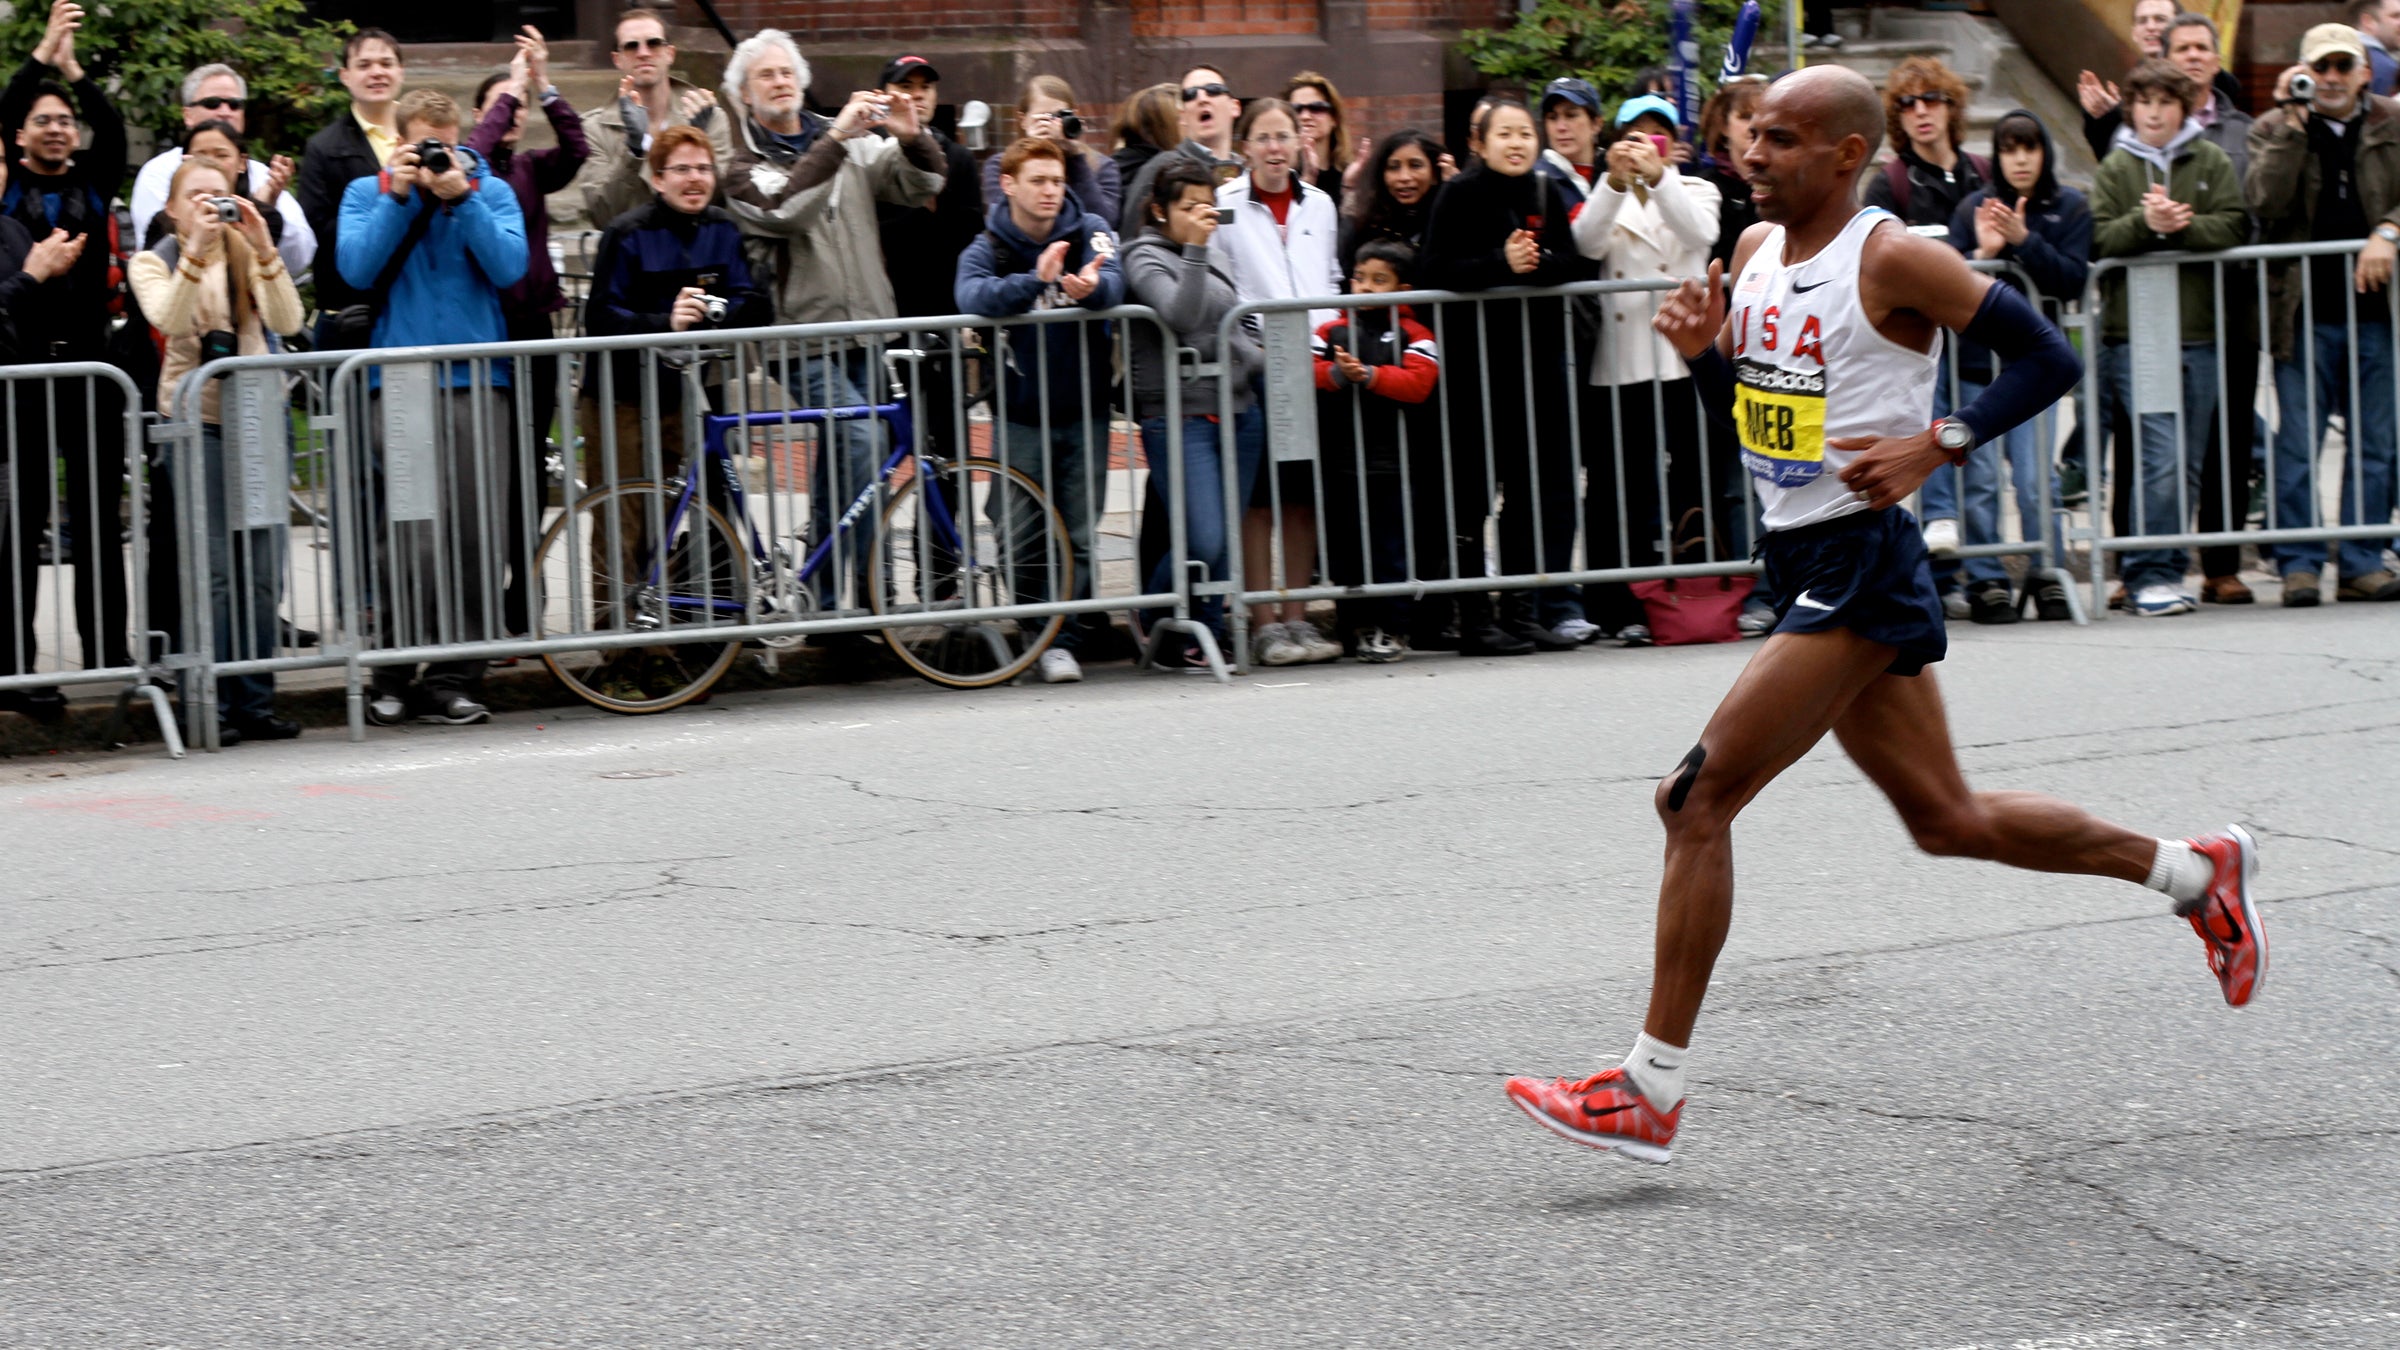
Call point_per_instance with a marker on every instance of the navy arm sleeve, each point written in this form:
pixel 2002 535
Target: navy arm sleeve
pixel 2038 368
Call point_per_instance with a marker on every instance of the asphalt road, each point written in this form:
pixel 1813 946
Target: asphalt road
pixel 1151 1013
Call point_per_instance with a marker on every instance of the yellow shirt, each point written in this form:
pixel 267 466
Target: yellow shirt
pixel 384 143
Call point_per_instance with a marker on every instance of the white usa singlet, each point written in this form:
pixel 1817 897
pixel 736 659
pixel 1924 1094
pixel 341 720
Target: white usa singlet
pixel 1807 366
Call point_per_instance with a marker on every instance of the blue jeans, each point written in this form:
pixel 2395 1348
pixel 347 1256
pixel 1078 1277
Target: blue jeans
pixel 2170 458
pixel 855 449
pixel 1205 533
pixel 2367 472
pixel 1060 461
pixel 245 590
pixel 1975 504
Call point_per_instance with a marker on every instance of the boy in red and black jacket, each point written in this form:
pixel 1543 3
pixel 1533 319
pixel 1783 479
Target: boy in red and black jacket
pixel 1376 372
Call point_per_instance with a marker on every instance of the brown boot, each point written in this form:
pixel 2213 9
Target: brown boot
pixel 2300 590
pixel 2225 591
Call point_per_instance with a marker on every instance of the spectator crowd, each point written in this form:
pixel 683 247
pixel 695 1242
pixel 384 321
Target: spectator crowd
pixel 1562 429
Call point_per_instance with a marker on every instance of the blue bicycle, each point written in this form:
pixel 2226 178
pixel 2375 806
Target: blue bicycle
pixel 680 560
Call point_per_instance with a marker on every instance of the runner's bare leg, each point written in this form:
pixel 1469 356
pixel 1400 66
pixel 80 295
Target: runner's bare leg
pixel 1898 734
pixel 1786 699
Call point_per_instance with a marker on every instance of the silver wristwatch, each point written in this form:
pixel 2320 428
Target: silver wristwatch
pixel 1955 437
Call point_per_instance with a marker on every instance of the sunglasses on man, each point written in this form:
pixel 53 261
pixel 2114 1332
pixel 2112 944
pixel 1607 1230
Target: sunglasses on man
pixel 648 44
pixel 1908 101
pixel 2337 64
pixel 1212 89
pixel 217 103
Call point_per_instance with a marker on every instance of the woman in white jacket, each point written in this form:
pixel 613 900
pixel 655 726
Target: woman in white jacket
pixel 1279 238
pixel 1642 221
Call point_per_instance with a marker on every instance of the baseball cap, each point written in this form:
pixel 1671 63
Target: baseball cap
pixel 1568 89
pixel 2326 39
pixel 901 67
pixel 1652 104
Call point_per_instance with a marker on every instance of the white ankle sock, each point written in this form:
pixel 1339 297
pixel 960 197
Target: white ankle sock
pixel 1657 1069
pixel 2182 872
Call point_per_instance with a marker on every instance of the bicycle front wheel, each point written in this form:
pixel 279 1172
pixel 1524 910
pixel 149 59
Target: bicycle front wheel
pixel 981 536
pixel 618 561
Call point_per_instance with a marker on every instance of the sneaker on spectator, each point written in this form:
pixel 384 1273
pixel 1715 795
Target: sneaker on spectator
pixel 1272 645
pixel 1543 639
pixel 1376 647
pixel 2050 602
pixel 1941 537
pixel 1955 605
pixel 1634 635
pixel 1991 602
pixel 1059 666
pixel 454 710
pixel 386 710
pixel 2299 590
pixel 2225 591
pixel 1757 620
pixel 2372 586
pixel 1578 631
pixel 1313 641
pixel 2157 602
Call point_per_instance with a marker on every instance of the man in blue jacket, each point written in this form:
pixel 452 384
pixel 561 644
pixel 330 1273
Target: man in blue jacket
pixel 465 242
pixel 1040 250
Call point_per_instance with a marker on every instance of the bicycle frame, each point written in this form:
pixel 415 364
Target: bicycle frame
pixel 715 454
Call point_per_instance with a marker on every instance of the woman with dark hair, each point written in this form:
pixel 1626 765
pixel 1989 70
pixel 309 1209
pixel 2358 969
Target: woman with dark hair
pixel 1169 268
pixel 1396 197
pixel 1724 138
pixel 216 141
pixel 1147 124
pixel 1499 225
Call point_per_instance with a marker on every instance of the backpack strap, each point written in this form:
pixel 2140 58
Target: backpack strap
pixel 1895 176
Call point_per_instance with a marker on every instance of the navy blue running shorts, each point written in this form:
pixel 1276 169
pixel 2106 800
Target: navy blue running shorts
pixel 1867 572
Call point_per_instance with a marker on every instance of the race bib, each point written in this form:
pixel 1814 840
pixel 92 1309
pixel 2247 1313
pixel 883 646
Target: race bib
pixel 1781 418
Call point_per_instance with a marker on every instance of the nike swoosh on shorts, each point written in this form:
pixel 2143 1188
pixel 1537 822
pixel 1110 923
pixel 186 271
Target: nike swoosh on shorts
pixel 1803 601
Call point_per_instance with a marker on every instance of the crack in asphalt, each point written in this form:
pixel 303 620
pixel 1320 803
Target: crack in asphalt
pixel 198 944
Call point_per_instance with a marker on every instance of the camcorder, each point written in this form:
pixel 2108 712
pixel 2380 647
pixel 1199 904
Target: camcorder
pixel 434 157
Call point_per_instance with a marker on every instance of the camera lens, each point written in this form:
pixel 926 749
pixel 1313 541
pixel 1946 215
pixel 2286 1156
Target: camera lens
pixel 2304 87
pixel 433 156
pixel 1070 126
pixel 228 210
pixel 712 308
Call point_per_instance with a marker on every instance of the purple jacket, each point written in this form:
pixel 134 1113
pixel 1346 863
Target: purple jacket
pixel 533 175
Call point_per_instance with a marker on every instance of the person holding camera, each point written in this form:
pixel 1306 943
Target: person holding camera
pixel 803 187
pixel 216 288
pixel 56 183
pixel 670 267
pixel 459 239
pixel 1046 112
pixel 2325 165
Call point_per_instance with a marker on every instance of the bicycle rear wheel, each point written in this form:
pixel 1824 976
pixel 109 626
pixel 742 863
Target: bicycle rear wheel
pixel 986 536
pixel 594 568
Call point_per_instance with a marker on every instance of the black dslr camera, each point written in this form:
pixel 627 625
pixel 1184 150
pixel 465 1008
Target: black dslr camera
pixel 434 157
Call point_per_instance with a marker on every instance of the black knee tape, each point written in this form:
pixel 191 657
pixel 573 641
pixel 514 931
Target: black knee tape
pixel 1683 782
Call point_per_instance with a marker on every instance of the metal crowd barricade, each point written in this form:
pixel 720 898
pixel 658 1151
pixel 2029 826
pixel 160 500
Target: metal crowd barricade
pixel 75 495
pixel 2165 484
pixel 1619 482
pixel 430 560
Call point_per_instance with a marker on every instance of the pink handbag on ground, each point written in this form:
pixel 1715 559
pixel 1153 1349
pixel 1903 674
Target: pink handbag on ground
pixel 1687 610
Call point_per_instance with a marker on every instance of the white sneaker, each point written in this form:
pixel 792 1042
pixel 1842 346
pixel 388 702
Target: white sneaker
pixel 1756 621
pixel 1058 666
pixel 1634 635
pixel 1956 605
pixel 1578 630
pixel 1272 645
pixel 1313 640
pixel 1941 538
pixel 1376 647
pixel 2155 602
pixel 386 710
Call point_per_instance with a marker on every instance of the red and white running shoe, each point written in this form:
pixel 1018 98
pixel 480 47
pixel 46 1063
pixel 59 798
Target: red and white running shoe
pixel 1604 1111
pixel 2227 919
